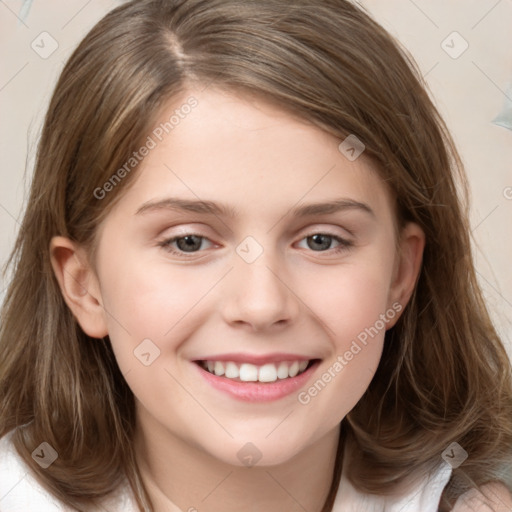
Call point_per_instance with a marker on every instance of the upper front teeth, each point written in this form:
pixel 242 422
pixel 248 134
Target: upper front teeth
pixel 251 373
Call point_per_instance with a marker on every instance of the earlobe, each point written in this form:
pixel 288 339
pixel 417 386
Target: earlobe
pixel 408 267
pixel 79 285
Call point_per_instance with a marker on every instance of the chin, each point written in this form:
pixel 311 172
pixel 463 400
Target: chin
pixel 258 452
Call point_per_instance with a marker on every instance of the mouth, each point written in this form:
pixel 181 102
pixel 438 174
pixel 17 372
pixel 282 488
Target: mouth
pixel 257 382
pixel 247 372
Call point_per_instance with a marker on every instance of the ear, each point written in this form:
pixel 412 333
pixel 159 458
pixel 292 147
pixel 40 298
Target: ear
pixel 407 267
pixel 79 285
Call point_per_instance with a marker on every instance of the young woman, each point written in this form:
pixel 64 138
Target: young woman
pixel 244 278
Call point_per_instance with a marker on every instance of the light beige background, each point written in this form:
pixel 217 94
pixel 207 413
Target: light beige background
pixel 470 91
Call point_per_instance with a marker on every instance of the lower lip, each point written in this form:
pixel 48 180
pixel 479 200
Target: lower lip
pixel 257 391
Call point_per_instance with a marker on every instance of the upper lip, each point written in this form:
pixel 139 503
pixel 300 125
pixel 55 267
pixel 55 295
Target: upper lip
pixel 255 359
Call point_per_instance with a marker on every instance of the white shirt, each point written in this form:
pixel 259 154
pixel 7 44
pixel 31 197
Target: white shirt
pixel 20 492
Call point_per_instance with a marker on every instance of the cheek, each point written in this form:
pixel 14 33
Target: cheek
pixel 149 313
pixel 352 298
pixel 355 311
pixel 353 308
pixel 150 300
pixel 357 342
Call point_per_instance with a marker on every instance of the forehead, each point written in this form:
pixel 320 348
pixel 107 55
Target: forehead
pixel 247 153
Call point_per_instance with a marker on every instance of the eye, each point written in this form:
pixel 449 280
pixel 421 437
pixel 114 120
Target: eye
pixel 321 242
pixel 189 243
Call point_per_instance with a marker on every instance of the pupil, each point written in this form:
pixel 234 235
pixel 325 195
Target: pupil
pixel 317 239
pixel 191 243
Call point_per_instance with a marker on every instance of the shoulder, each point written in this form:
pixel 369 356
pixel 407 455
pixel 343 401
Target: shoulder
pixel 19 490
pixel 421 492
pixel 493 497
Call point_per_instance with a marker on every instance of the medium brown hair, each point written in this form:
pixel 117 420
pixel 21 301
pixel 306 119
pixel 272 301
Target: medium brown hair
pixel 444 375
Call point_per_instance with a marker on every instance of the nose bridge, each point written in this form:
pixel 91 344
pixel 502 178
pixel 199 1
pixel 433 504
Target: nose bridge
pixel 259 294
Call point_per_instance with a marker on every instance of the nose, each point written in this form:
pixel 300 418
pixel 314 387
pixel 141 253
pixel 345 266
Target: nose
pixel 259 295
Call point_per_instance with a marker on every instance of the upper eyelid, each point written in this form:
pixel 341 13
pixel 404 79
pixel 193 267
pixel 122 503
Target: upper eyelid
pixel 310 232
pixel 172 239
pixel 313 230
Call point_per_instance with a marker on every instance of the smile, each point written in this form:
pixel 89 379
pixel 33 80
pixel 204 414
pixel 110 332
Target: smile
pixel 252 382
pixel 247 372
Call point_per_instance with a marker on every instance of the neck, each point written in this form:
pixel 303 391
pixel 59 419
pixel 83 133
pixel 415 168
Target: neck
pixel 181 477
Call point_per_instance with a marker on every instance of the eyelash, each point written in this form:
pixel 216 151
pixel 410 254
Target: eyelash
pixel 166 244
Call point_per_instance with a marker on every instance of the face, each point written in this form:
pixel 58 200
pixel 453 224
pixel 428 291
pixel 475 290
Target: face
pixel 254 284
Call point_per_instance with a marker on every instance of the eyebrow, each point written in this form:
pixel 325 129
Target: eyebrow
pixel 212 208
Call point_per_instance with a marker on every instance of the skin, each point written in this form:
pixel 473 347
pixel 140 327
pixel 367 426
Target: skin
pixel 296 297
